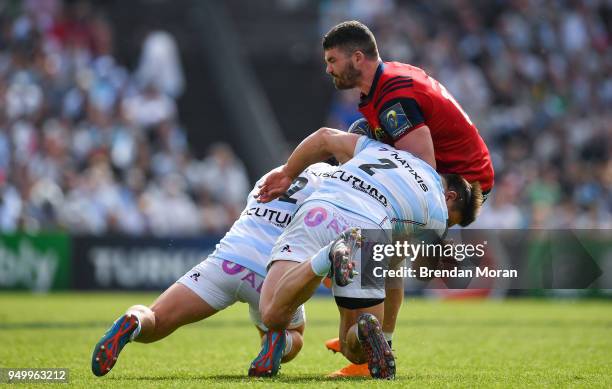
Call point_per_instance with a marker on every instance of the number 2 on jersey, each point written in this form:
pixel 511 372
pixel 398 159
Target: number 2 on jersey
pixel 297 185
pixel 386 164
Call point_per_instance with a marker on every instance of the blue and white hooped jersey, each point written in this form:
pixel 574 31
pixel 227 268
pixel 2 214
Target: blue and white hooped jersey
pixel 250 240
pixel 385 184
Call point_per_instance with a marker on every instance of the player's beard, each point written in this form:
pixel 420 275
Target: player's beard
pixel 348 78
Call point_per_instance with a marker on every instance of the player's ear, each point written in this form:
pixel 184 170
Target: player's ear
pixel 450 195
pixel 358 57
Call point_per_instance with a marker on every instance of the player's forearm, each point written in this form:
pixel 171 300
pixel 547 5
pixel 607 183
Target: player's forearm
pixel 315 148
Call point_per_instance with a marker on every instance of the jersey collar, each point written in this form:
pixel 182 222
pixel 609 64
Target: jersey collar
pixel 364 99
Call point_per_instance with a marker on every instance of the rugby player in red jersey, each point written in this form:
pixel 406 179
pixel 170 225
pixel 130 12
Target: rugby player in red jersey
pixel 409 110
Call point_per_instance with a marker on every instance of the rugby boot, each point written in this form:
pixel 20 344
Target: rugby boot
pixel 341 254
pixel 351 370
pixel 267 363
pixel 107 350
pixel 333 345
pixel 381 362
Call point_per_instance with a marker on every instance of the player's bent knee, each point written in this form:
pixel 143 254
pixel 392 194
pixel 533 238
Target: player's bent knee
pixel 275 319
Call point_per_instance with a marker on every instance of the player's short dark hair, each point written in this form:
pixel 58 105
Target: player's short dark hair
pixel 469 197
pixel 351 36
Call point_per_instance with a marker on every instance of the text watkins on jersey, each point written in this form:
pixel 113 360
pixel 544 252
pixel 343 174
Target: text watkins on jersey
pixel 278 218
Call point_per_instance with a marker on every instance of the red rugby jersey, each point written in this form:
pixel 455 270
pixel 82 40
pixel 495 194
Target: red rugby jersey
pixel 403 98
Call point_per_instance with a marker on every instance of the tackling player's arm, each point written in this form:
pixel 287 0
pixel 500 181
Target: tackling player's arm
pixel 419 144
pixel 403 120
pixel 319 146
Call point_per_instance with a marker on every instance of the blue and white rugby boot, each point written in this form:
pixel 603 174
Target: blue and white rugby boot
pixel 267 363
pixel 107 350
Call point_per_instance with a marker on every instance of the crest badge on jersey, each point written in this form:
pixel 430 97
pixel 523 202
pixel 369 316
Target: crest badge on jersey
pixel 360 127
pixel 394 120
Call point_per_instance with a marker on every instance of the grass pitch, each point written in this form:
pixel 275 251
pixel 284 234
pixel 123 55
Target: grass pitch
pixel 514 343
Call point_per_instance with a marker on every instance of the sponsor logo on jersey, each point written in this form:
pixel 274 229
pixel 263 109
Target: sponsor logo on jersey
pixel 395 120
pixel 338 223
pixel 357 183
pixel 411 170
pixel 195 276
pixel 379 133
pixel 278 218
pixel 320 174
pixel 253 279
pixel 392 119
pixel 315 216
pixel 286 248
pixel 360 127
pixel 360 185
pixel 231 268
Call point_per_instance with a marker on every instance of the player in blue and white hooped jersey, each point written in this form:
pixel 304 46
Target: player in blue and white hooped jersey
pixel 234 272
pixel 251 238
pixel 377 188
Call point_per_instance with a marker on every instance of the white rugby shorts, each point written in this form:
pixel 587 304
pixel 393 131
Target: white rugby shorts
pixel 221 283
pixel 315 225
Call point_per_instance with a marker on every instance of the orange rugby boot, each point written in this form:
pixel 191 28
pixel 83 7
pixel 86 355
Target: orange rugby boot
pixel 333 345
pixel 351 370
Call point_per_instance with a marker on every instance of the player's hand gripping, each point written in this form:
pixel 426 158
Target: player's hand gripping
pixel 276 183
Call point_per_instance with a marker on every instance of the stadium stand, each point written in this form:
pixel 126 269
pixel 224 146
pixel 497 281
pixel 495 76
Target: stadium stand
pixel 89 147
pixel 535 78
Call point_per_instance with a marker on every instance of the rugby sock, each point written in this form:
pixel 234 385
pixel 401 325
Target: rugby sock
pixel 288 343
pixel 389 337
pixel 136 332
pixel 320 263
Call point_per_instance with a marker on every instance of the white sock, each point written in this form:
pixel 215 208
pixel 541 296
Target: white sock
pixel 388 336
pixel 288 343
pixel 320 263
pixel 136 332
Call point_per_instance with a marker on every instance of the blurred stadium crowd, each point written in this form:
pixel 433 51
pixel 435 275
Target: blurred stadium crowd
pixel 86 146
pixel 89 147
pixel 535 77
